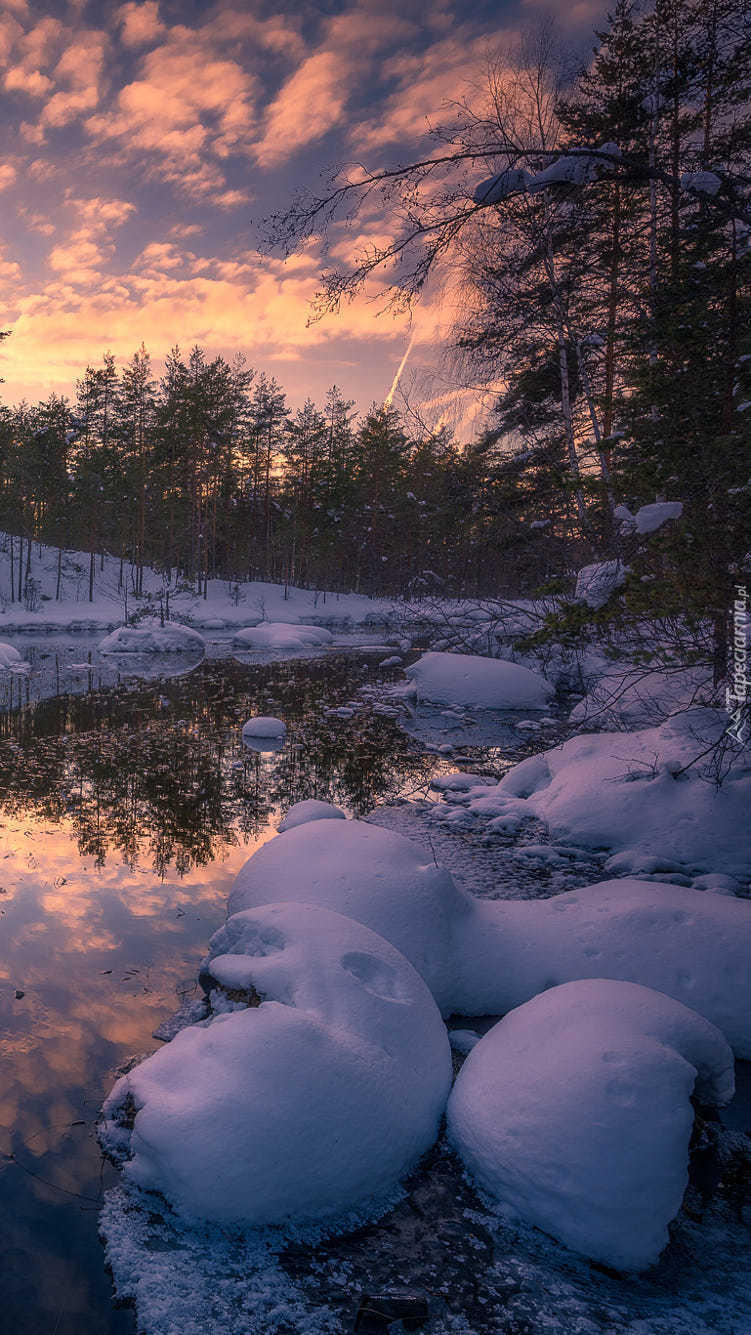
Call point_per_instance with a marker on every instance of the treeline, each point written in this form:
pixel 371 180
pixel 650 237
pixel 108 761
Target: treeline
pixel 207 472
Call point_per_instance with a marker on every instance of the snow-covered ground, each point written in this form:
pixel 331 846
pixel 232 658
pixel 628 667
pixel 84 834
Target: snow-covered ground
pixel 645 796
pixel 226 606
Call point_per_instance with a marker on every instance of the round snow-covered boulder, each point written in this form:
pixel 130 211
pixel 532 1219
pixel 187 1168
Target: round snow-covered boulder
pixel 372 875
pixel 574 1112
pixel 310 809
pixel 281 635
pixel 264 727
pixel 151 637
pixel 9 655
pixel 480 683
pixel 305 1107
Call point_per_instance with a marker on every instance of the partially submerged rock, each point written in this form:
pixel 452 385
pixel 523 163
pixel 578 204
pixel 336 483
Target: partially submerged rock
pixel 574 1112
pixel 153 637
pixel 308 1106
pixel 281 635
pixel 310 809
pixel 481 683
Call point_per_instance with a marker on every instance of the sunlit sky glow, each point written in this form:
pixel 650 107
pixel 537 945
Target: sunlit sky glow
pixel 142 141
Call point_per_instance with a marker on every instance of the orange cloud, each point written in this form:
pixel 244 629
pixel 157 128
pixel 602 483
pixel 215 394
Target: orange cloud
pixel 186 107
pixel 309 104
pixel 79 70
pixel 426 83
pixel 140 24
pixel 20 79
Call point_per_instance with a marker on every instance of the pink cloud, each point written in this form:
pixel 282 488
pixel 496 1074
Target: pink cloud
pixel 20 79
pixel 189 108
pixel 140 24
pixel 309 104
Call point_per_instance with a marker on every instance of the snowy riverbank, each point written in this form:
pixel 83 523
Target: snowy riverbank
pixel 441 1240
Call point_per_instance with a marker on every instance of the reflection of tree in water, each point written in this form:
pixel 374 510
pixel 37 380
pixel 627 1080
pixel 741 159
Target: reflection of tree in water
pixel 161 772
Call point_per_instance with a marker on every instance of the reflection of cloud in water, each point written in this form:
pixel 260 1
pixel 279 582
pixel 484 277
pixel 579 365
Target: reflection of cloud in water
pixel 98 786
pixel 98 953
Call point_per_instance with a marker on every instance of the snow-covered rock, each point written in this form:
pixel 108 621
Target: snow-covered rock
pixel 263 726
pixel 482 683
pixel 595 583
pixel 281 635
pixel 303 1108
pixel 484 957
pixel 372 875
pixel 310 809
pixel 642 795
pixel 151 637
pixel 574 1112
pixel 692 946
pixel 9 655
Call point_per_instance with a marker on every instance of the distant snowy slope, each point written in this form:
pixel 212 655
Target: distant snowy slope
pixel 57 597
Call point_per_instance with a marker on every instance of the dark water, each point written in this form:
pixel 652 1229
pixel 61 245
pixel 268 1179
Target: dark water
pixel 126 809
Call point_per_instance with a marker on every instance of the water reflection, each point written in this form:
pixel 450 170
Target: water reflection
pixel 127 809
pixel 159 773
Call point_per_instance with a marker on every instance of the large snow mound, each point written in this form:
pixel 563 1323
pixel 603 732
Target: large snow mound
pixel 481 957
pixel 151 637
pixel 691 945
pixel 642 795
pixel 481 683
pixel 304 1107
pixel 372 875
pixel 281 635
pixel 310 809
pixel 575 1113
pixel 8 654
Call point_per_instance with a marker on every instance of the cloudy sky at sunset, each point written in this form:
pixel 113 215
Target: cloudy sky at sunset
pixel 142 141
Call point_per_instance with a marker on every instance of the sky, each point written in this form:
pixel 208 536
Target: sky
pixel 144 142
